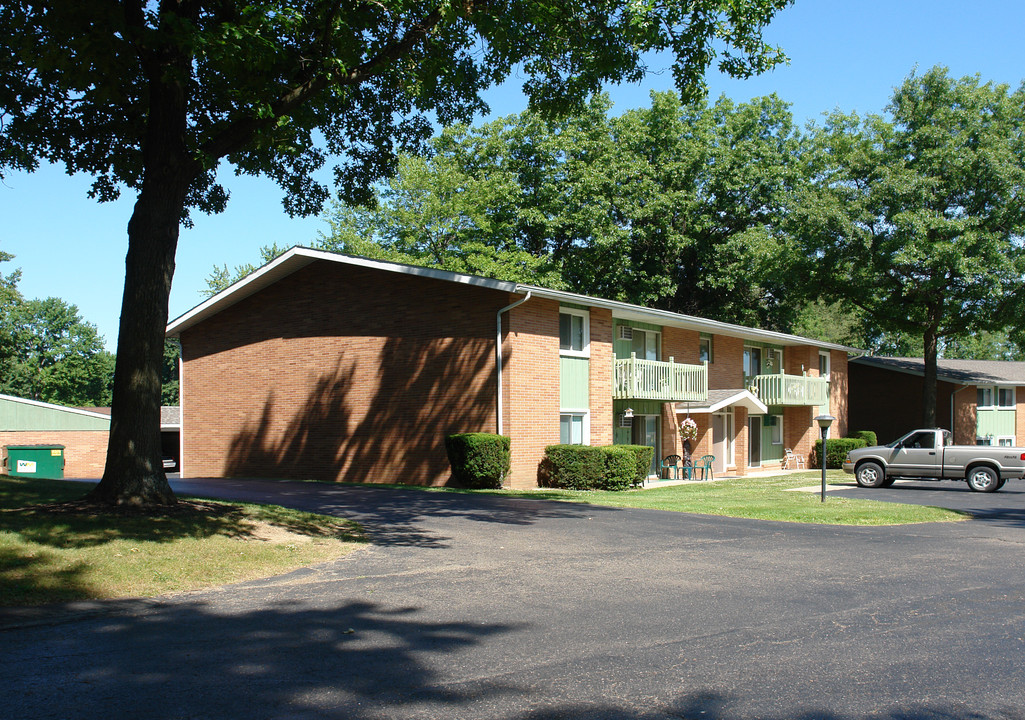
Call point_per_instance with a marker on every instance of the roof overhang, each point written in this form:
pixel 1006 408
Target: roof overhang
pixel 720 399
pixel 299 257
pixel 296 259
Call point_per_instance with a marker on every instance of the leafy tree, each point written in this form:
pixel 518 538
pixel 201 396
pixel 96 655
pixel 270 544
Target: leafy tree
pixel 985 345
pixel 672 206
pixel 917 219
pixel 10 298
pixel 221 278
pixel 170 383
pixel 153 95
pixel 58 358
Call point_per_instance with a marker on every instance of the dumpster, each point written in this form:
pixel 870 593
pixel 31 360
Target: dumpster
pixel 39 461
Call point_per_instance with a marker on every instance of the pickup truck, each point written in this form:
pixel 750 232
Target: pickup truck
pixel 932 455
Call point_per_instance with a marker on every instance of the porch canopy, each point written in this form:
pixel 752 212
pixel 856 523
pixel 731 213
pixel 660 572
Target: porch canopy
pixel 720 399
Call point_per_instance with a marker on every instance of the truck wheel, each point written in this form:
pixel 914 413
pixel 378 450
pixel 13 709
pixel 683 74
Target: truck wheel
pixel 1001 482
pixel 870 475
pixel 982 479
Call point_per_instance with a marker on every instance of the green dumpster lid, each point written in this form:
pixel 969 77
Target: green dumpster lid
pixel 34 447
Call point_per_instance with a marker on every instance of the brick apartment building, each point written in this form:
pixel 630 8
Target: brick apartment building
pixel 332 367
pixel 981 401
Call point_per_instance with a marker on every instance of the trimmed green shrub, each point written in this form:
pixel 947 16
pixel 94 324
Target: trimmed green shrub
pixel 582 467
pixel 643 453
pixel 620 467
pixel 479 460
pixel 836 451
pixel 575 467
pixel 869 436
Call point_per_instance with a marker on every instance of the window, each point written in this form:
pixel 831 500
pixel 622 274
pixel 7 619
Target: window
pixel 752 361
pixel 988 398
pixel 924 440
pixel 1005 442
pixel 777 429
pixel 644 344
pixel 1005 397
pixel 574 333
pixel 774 361
pixel 823 364
pixel 573 428
pixel 705 349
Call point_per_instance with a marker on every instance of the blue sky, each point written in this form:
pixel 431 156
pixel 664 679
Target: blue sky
pixel 844 54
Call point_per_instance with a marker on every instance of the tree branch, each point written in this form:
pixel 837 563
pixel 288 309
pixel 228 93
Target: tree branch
pixel 240 132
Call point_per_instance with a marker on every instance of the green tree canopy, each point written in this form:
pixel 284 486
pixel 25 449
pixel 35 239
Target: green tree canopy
pixel 917 218
pixel 151 95
pixel 48 352
pixel 672 206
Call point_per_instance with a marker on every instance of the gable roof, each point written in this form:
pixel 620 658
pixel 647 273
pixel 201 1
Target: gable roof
pixel 718 399
pixel 299 257
pixel 964 372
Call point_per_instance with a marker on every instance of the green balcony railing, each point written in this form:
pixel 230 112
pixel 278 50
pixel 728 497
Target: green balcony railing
pixel 785 390
pixel 635 379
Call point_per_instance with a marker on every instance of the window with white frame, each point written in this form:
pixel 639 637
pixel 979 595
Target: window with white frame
pixel 777 429
pixel 991 398
pixel 824 363
pixel 705 349
pixel 1005 441
pixel 574 332
pixel 573 427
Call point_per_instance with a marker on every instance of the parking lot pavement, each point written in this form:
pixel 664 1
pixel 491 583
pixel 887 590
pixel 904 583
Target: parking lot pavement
pixel 481 607
pixel 1006 505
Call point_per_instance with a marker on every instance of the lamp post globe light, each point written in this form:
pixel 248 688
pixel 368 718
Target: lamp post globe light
pixel 824 422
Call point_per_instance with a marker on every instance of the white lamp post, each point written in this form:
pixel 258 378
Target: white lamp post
pixel 824 422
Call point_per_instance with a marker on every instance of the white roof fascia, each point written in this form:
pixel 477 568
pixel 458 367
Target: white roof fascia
pixel 626 311
pixel 299 257
pixel 743 398
pixel 51 406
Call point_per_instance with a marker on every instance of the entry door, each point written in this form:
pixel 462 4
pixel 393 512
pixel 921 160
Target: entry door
pixel 645 432
pixel 754 442
pixel 719 439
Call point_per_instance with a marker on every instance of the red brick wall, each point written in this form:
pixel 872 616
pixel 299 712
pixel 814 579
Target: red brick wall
pixel 838 392
pixel 85 451
pixel 890 403
pixel 966 419
pixel 600 380
pixel 726 372
pixel 532 386
pixel 340 373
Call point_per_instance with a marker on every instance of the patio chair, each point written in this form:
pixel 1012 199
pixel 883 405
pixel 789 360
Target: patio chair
pixel 792 461
pixel 705 467
pixel 671 462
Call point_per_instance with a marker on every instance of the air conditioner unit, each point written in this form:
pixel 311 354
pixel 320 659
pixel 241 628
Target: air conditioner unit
pixel 626 332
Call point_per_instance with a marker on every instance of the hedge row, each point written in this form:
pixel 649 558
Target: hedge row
pixel 586 467
pixel 836 451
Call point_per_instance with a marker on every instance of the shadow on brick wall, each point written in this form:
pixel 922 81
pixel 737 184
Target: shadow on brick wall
pixel 388 430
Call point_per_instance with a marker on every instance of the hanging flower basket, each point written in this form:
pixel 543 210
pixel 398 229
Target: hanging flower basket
pixel 689 429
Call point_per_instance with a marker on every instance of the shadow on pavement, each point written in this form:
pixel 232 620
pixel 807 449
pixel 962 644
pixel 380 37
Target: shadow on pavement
pixel 391 515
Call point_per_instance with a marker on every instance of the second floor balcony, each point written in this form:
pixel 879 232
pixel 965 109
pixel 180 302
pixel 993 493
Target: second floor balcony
pixel 636 379
pixel 789 390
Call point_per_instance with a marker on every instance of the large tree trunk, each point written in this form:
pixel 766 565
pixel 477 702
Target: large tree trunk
pixel 929 381
pixel 134 472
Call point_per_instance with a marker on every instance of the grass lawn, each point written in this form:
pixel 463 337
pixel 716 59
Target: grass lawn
pixel 51 552
pixel 761 498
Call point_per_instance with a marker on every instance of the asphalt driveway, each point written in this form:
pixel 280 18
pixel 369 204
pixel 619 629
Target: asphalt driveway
pixel 481 607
